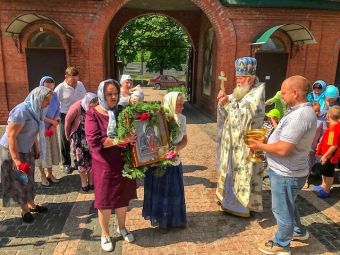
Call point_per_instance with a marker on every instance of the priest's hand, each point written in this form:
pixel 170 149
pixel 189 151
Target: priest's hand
pixel 222 98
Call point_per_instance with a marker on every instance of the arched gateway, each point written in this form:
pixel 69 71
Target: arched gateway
pixel 196 17
pixel 87 31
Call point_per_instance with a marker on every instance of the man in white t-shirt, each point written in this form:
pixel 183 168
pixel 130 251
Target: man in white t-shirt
pixel 287 153
pixel 68 92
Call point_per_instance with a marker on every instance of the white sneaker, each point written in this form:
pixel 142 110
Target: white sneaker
pixel 301 237
pixel 128 236
pixel 106 243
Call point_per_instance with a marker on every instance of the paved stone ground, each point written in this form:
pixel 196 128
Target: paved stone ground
pixel 71 225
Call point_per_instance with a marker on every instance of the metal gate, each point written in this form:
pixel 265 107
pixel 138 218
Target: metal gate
pixel 42 62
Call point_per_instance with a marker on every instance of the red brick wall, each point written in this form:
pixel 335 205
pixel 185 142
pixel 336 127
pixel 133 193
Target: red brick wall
pixel 235 28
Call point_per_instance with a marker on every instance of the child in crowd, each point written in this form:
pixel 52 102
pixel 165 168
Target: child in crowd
pixel 320 129
pixel 329 151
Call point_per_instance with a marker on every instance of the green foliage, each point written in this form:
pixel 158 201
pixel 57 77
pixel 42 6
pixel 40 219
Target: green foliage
pixel 182 90
pixel 161 40
pixel 126 126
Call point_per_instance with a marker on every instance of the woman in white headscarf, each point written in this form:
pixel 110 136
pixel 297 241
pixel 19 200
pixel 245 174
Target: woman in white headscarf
pixel 128 93
pixel 112 190
pixel 75 131
pixel 164 201
pixel 20 145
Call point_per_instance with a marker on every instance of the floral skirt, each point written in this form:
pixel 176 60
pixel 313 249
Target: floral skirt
pixel 81 151
pixel 12 189
pixel 164 201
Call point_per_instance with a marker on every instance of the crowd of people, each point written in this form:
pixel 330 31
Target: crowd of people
pixel 88 128
pixel 302 130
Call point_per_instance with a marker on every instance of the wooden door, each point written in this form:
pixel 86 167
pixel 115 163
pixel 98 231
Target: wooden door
pixel 271 69
pixel 41 62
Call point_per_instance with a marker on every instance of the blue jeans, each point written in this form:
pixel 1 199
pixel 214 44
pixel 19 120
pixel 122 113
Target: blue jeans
pixel 284 193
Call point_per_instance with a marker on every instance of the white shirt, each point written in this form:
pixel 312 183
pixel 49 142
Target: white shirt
pixel 68 95
pixel 298 127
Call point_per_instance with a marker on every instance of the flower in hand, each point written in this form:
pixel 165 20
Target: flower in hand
pixel 171 154
pixel 144 116
pixel 24 167
pixel 48 132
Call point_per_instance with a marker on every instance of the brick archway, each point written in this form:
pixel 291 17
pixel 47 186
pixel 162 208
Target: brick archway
pixel 212 9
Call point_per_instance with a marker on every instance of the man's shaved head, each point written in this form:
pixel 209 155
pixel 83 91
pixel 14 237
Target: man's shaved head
pixel 298 83
pixel 295 89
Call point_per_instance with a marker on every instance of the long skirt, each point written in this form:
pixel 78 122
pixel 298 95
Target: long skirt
pixel 12 189
pixel 164 201
pixel 52 157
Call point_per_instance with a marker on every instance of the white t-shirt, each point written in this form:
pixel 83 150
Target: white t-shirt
pixel 68 95
pixel 298 127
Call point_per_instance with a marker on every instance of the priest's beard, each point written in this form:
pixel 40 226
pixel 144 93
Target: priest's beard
pixel 240 91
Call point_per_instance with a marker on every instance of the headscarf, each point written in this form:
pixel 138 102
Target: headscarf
pixel 311 97
pixel 169 104
pixel 85 102
pixel 43 79
pixel 33 103
pixel 321 95
pixel 111 128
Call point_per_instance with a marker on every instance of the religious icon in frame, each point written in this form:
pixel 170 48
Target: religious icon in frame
pixel 152 141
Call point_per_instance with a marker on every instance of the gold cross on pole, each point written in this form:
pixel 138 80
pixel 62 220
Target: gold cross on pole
pixel 222 78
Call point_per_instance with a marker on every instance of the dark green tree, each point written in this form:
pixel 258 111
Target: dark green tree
pixel 161 40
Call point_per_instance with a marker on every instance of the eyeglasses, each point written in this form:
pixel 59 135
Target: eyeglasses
pixel 317 86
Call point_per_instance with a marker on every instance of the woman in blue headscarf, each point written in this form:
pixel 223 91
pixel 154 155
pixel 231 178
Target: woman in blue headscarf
pixel 20 145
pixel 111 189
pixel 318 95
pixel 51 138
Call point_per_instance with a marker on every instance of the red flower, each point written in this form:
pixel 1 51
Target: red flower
pixel 25 167
pixel 171 154
pixel 48 132
pixel 144 116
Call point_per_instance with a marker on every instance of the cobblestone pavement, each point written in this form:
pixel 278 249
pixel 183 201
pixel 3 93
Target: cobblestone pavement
pixel 71 225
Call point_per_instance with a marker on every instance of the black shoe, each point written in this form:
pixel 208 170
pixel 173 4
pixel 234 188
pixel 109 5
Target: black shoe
pixel 67 170
pixel 27 217
pixel 86 188
pixel 39 209
pixel 91 187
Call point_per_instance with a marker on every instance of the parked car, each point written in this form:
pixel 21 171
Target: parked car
pixel 164 82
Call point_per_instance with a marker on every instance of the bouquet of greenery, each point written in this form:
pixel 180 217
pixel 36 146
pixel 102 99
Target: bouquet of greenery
pixel 146 111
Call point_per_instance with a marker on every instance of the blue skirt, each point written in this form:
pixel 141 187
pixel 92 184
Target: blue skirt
pixel 164 201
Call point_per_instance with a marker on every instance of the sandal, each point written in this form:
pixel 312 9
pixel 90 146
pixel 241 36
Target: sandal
pixel 45 183
pixel 52 179
pixel 39 209
pixel 27 217
pixel 86 188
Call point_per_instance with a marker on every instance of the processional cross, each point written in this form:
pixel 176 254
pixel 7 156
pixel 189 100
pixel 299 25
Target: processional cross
pixel 222 78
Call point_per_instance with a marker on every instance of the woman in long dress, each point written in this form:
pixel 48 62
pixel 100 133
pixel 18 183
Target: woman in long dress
pixel 112 190
pixel 164 200
pixel 51 137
